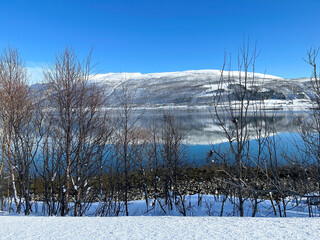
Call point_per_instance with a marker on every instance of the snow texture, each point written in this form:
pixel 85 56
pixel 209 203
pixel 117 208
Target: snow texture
pixel 158 228
pixel 197 224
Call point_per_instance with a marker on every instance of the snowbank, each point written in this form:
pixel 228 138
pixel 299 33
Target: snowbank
pixel 158 228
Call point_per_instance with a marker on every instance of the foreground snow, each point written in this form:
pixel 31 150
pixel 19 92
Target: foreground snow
pixel 158 228
pixel 196 226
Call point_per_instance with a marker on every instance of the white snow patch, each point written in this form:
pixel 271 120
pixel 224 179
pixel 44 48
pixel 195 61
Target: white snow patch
pixel 158 228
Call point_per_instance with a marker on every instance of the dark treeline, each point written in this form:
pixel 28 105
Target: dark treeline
pixel 62 147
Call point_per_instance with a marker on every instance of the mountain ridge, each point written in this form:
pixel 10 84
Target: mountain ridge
pixel 196 88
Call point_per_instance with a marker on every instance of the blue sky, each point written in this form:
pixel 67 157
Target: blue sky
pixel 162 35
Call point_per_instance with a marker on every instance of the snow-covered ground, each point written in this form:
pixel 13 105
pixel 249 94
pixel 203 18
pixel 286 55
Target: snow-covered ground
pixel 195 205
pixel 151 224
pixel 158 228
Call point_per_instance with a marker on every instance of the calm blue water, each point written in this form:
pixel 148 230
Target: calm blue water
pixel 199 128
pixel 286 148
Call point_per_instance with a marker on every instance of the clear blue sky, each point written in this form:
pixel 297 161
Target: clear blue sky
pixel 163 35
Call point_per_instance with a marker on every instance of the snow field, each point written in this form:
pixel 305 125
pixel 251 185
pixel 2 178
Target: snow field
pixel 158 228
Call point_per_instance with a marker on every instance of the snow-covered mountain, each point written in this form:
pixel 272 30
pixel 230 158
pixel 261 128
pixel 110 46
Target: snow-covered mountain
pixel 197 87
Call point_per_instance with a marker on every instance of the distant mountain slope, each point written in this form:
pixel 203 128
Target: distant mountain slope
pixel 197 87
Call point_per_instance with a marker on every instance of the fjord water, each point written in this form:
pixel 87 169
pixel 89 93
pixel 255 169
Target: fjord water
pixel 202 134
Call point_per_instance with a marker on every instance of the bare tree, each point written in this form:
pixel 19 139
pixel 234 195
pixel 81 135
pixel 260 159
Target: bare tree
pixel 80 125
pixel 310 125
pixel 233 107
pixel 126 134
pixel 173 158
pixel 14 102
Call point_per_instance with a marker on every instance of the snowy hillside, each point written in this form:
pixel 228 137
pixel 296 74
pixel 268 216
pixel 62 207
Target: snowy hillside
pixel 196 88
